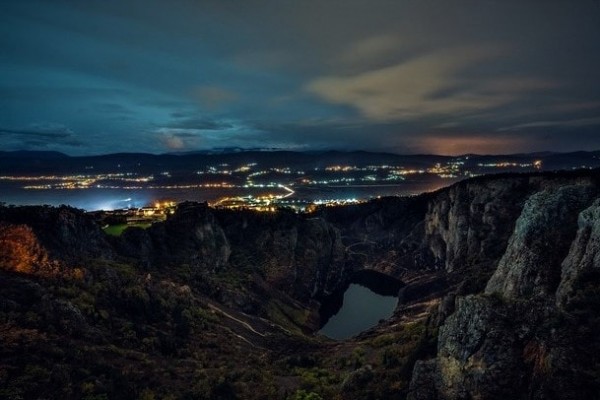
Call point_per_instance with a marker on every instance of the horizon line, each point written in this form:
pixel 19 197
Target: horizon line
pixel 226 151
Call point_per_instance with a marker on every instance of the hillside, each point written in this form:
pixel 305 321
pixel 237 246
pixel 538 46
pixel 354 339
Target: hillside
pixel 499 298
pixel 45 162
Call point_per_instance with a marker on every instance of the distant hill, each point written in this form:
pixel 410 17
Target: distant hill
pixel 55 162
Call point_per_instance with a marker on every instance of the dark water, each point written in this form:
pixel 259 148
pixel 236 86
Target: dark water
pixel 361 310
pixel 406 188
pixel 108 199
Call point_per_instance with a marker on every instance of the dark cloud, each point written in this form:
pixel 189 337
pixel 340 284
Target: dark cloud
pixel 334 134
pixel 413 76
pixel 114 108
pixel 212 97
pixel 198 123
pixel 42 134
pixel 38 136
pixel 565 123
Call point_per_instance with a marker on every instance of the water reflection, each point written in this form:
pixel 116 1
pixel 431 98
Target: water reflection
pixel 361 310
pixel 99 198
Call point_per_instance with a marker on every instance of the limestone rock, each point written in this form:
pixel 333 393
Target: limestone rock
pixel 541 239
pixel 584 255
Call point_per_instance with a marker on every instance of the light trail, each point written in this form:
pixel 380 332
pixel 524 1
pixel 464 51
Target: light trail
pixel 290 191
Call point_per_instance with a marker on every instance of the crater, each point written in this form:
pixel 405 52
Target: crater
pixel 366 298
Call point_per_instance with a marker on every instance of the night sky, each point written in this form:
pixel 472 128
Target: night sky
pixel 448 77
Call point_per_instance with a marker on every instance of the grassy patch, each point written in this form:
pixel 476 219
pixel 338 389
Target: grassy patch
pixel 286 315
pixel 117 230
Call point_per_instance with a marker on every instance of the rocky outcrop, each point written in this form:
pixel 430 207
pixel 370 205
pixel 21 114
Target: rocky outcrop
pixel 470 223
pixel 300 256
pixel 492 349
pixel 384 235
pixel 66 233
pixel 540 241
pixel 584 256
pixel 452 230
pixel 191 237
pixel 22 296
pixel 20 251
pixel 513 341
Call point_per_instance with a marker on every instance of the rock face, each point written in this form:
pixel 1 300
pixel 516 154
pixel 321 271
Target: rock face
pixel 466 225
pixel 384 235
pixel 66 233
pixel 470 223
pixel 490 349
pixel 584 256
pixel 192 237
pixel 300 256
pixel 519 338
pixel 454 239
pixel 20 250
pixel 541 239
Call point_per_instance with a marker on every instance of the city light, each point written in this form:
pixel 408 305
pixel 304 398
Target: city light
pixel 281 182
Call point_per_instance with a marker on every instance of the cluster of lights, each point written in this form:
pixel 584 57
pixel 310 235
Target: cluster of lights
pixel 266 202
pixel 148 214
pixel 341 168
pixel 354 168
pixel 328 181
pixel 337 202
pixel 248 171
pixel 131 177
pixel 80 181
pixel 193 186
pixel 537 164
pixel 251 184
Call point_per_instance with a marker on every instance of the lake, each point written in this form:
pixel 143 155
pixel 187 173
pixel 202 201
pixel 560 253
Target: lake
pixel 107 199
pixel 361 310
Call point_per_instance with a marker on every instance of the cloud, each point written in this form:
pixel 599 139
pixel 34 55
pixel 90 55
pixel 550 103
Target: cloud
pixel 113 108
pixel 213 97
pixel 566 123
pixel 335 134
pixel 482 143
pixel 191 132
pixel 271 59
pixel 42 130
pixel 568 107
pixel 322 74
pixel 373 50
pixel 172 140
pixel 192 138
pixel 39 136
pixel 435 84
pixel 184 121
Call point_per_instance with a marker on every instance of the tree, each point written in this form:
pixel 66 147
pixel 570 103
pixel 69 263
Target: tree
pixel 20 250
pixel 304 395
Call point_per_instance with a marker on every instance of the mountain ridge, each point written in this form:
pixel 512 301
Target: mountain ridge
pixel 52 162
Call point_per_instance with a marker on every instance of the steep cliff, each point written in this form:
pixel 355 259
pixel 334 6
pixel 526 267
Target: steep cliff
pixel 384 235
pixel 192 236
pixel 66 233
pixel 583 261
pixel 300 256
pixel 512 340
pixel 470 223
